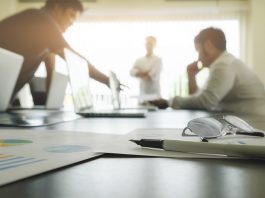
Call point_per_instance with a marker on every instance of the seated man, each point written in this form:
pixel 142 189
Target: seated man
pixel 37 34
pixel 231 85
pixel 147 69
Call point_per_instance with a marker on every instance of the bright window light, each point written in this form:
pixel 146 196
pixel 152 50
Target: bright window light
pixel 116 46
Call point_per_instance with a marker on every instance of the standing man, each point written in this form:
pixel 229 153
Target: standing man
pixel 148 69
pixel 231 85
pixel 37 34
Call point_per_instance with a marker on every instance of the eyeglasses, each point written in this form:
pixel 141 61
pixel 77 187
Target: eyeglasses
pixel 214 127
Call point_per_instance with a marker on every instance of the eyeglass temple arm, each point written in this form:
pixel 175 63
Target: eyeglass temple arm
pixel 185 134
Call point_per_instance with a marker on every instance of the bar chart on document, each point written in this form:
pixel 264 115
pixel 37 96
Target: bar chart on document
pixel 10 161
pixel 27 153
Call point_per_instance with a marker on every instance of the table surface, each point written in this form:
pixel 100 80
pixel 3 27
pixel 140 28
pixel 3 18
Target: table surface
pixel 123 176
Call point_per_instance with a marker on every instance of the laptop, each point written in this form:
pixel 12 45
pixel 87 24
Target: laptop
pixel 115 94
pixel 10 66
pixel 55 96
pixel 51 100
pixel 79 81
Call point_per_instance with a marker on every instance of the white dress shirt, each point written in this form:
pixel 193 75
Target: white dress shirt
pixel 231 87
pixel 151 84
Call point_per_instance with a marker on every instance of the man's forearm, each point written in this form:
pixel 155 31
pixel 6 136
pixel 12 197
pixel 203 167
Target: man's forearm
pixel 142 74
pixel 49 65
pixel 97 75
pixel 192 71
pixel 193 87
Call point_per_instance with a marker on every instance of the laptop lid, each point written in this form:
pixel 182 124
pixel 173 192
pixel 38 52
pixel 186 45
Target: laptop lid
pixel 10 66
pixel 79 81
pixel 58 86
pixel 55 97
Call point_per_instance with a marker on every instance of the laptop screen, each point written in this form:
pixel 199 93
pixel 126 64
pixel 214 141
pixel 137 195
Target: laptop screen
pixel 79 80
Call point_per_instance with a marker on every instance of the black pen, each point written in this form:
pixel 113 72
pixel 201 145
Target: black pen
pixel 233 150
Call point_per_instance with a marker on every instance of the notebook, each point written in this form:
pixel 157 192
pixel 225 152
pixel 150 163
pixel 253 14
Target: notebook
pixel 10 66
pixel 79 81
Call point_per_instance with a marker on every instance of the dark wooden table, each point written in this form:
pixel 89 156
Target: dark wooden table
pixel 120 176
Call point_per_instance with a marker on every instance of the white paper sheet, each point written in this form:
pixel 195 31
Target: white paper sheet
pixel 25 153
pixel 122 145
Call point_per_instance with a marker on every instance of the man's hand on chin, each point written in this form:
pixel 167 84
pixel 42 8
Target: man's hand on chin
pixel 160 103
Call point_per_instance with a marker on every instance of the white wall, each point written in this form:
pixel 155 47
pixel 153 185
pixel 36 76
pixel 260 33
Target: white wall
pixel 7 7
pixel 256 37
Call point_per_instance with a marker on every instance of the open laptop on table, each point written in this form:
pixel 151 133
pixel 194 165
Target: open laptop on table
pixel 53 99
pixel 116 101
pixel 79 82
pixel 56 93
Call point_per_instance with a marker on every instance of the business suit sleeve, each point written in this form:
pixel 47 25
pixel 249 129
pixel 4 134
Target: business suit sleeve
pixel 220 82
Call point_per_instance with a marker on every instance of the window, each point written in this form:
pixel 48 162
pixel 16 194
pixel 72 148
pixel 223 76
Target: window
pixel 116 45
